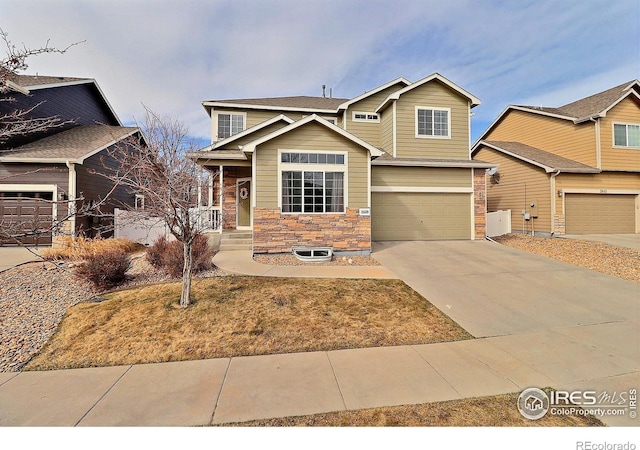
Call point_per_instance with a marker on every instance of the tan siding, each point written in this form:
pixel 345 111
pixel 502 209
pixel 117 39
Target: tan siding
pixel 370 132
pixel 432 94
pixel 253 136
pixel 520 185
pixel 386 131
pixel 561 137
pixel 627 111
pixel 310 137
pixel 605 180
pixel 420 177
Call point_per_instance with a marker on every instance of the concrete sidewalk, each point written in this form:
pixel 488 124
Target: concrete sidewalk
pixel 242 262
pixel 227 390
pixel 13 256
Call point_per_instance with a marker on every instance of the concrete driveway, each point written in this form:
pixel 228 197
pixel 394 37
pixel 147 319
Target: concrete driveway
pixel 631 241
pixel 13 256
pixel 494 290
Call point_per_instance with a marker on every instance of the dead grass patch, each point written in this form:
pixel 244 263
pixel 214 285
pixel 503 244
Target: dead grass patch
pixel 493 411
pixel 75 249
pixel 234 316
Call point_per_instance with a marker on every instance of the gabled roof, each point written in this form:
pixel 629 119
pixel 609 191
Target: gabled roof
pixel 73 145
pixel 300 103
pixel 540 158
pixel 475 101
pixel 367 94
pixel 250 147
pixel 39 82
pixel 582 110
pixel 224 142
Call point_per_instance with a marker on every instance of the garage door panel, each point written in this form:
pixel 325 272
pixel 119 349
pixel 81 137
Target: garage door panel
pixel 420 216
pixel 599 213
pixel 28 215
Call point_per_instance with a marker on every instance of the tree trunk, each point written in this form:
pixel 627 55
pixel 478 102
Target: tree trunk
pixel 185 296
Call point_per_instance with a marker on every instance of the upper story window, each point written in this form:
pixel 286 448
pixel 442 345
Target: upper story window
pixel 626 135
pixel 313 182
pixel 433 122
pixel 365 117
pixel 229 124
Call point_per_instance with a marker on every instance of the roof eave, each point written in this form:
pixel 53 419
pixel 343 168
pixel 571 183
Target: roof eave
pixel 214 104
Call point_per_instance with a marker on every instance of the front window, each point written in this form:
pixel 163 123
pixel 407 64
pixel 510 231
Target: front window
pixel 313 182
pixel 626 135
pixel 229 124
pixel 433 122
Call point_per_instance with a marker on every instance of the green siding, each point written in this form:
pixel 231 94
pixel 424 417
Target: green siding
pixel 420 176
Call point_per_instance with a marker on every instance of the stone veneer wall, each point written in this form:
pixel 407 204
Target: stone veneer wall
pixel 559 224
pixel 480 203
pixel 274 232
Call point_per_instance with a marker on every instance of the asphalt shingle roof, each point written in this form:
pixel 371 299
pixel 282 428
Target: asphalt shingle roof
pixel 588 106
pixel 543 157
pixel 290 102
pixel 39 80
pixel 71 144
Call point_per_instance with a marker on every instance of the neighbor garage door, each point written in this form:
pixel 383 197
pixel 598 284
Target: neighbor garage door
pixel 599 213
pixel 420 216
pixel 28 215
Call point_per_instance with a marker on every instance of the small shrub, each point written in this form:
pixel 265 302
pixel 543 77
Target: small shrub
pixel 170 256
pixel 155 252
pixel 105 269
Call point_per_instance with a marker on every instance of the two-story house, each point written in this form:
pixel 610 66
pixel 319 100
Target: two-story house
pixel 574 169
pixel 390 164
pixel 48 174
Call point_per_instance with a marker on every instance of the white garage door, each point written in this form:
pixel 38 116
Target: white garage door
pixel 403 216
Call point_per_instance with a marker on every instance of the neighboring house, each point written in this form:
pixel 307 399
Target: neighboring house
pixel 41 174
pixel 390 164
pixel 568 170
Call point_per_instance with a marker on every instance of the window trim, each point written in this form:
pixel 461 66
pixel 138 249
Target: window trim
pixel 309 167
pixel 613 135
pixel 216 138
pixel 432 108
pixel 367 120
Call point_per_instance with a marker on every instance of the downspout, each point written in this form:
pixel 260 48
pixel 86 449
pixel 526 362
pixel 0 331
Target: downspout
pixel 552 182
pixel 71 205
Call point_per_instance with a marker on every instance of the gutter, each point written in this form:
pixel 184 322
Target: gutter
pixel 552 184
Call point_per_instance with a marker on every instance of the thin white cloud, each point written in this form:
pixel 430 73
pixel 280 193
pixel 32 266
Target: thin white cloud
pixel 172 55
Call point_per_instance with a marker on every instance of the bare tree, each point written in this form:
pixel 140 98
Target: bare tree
pixel 158 171
pixel 25 121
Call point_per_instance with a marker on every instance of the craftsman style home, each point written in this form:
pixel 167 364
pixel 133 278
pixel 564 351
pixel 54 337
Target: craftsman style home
pixel 390 164
pixel 44 172
pixel 574 169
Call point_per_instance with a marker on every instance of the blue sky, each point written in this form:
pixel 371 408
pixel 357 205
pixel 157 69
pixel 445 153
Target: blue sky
pixel 172 55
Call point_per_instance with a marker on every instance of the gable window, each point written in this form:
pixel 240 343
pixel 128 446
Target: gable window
pixel 313 182
pixel 626 135
pixel 433 122
pixel 229 124
pixel 365 117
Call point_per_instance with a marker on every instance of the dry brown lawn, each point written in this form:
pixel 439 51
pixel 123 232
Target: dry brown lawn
pixel 234 316
pixel 493 411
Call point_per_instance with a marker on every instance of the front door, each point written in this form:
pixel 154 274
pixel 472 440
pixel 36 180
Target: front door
pixel 243 196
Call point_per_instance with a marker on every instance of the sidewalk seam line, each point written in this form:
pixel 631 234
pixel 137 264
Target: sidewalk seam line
pixel 335 377
pixel 224 380
pixel 103 395
pixel 436 371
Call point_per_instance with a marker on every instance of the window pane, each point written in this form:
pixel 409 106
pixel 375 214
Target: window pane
pixel 331 159
pixel 440 123
pixel 237 124
pixel 291 192
pixel 322 158
pixel 339 159
pixel 633 135
pixel 224 126
pixel 304 158
pixel 313 158
pixel 334 191
pixel 425 122
pixel 620 133
pixel 285 158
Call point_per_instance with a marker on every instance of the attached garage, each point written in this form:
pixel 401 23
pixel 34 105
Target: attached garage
pixel 600 213
pixel 30 213
pixel 410 216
